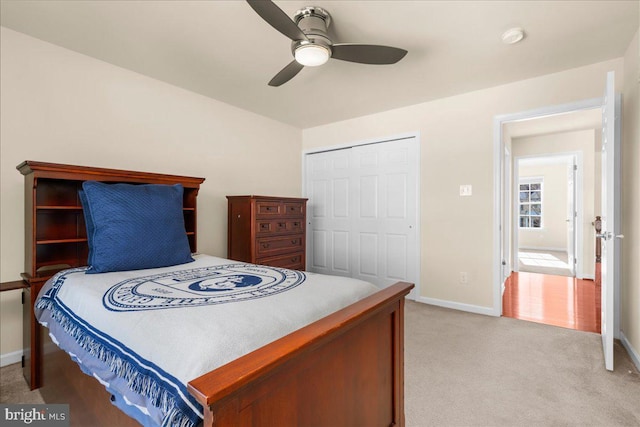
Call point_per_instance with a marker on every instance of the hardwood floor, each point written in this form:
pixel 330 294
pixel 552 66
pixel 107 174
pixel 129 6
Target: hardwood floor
pixel 553 300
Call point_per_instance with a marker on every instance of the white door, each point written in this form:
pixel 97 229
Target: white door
pixel 328 177
pixel 571 215
pixel 362 219
pixel 506 254
pixel 384 188
pixel 610 223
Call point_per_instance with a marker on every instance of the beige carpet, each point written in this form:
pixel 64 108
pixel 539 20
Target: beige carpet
pixel 465 369
pixel 13 387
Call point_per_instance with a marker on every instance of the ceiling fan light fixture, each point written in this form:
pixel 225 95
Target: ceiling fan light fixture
pixel 311 45
pixel 312 55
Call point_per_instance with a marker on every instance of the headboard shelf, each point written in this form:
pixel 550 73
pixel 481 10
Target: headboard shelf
pixel 50 242
pixel 55 232
pixel 56 208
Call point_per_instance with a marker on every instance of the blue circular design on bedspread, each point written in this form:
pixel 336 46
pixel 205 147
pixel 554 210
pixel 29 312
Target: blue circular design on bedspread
pixel 200 286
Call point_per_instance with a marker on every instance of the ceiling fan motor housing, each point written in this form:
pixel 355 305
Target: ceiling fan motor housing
pixel 313 21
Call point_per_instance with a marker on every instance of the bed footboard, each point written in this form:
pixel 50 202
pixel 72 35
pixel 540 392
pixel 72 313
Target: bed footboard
pixel 346 369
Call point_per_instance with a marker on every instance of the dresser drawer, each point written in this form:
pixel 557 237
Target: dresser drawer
pixel 269 209
pixel 294 261
pixel 295 209
pixel 268 246
pixel 275 226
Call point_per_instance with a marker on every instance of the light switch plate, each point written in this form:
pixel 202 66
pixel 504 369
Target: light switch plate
pixel 465 190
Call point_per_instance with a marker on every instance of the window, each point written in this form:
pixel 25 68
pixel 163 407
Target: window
pixel 530 203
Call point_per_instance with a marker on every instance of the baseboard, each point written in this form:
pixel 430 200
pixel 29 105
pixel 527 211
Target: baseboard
pixel 488 311
pixel 10 358
pixel 526 248
pixel 635 356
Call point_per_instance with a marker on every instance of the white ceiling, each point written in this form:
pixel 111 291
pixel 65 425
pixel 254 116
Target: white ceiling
pixel 224 50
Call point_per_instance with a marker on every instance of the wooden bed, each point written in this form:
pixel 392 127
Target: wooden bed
pixel 346 369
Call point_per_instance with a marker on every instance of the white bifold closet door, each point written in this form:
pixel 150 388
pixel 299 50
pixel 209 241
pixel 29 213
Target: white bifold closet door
pixel 362 212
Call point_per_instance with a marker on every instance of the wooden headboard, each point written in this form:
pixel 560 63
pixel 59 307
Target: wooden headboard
pixel 55 232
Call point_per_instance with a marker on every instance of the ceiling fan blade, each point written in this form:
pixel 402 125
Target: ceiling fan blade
pixel 277 18
pixel 367 53
pixel 286 74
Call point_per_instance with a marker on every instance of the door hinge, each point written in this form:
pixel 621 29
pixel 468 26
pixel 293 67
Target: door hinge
pixel 575 167
pixel 575 260
pixel 22 360
pixel 22 297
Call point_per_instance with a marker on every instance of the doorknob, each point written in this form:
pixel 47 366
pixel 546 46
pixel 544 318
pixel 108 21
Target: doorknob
pixel 606 235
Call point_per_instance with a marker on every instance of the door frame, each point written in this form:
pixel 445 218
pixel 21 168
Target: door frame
pixel 578 189
pixel 415 293
pixel 500 187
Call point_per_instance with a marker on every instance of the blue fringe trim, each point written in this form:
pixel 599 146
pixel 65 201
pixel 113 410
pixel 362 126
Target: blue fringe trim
pixel 137 381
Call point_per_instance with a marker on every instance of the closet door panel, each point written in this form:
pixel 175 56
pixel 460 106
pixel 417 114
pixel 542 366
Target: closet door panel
pixel 329 191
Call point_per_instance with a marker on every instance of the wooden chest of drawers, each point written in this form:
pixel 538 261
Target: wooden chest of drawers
pixel 267 230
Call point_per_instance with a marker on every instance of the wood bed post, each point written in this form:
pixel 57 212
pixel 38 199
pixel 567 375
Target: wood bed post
pixel 399 363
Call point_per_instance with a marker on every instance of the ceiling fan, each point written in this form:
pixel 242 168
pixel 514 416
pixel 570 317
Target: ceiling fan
pixel 311 46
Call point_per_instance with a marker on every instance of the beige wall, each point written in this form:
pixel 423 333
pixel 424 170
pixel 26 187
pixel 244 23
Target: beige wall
pixel 60 106
pixel 456 136
pixel 588 143
pixel 553 234
pixel 630 282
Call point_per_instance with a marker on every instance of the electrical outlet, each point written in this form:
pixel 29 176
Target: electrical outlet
pixel 466 190
pixel 464 277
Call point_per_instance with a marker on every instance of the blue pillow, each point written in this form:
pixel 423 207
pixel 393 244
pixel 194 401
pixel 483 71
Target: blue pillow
pixel 133 227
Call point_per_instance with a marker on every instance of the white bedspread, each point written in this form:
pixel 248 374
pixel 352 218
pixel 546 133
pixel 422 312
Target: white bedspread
pixel 180 322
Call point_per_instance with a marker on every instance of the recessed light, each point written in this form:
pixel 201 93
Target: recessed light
pixel 513 35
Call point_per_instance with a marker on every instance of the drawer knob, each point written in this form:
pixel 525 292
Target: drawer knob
pixel 294 242
pixel 265 245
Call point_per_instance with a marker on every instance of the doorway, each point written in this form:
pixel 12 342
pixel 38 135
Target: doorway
pixel 549 205
pixel 555 165
pixel 551 131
